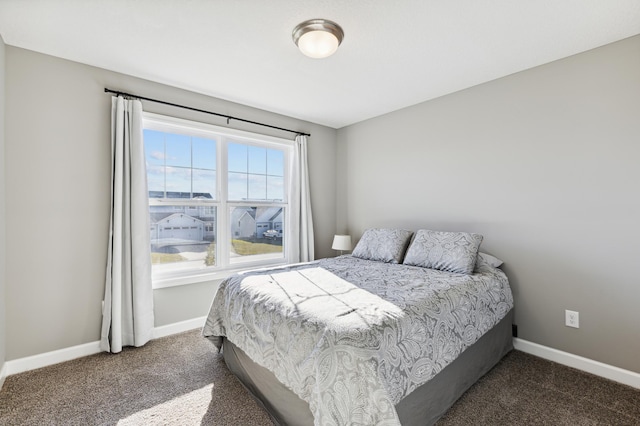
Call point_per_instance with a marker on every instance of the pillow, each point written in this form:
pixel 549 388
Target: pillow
pixel 384 245
pixel 492 261
pixel 446 251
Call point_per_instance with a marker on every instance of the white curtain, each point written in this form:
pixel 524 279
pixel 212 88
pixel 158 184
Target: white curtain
pixel 127 315
pixel 301 241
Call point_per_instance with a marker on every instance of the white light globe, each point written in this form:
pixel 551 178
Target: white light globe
pixel 318 44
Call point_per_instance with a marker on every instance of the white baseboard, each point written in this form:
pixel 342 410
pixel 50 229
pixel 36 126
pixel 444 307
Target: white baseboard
pixel 610 372
pixel 3 374
pixel 627 377
pixel 21 365
pixel 178 327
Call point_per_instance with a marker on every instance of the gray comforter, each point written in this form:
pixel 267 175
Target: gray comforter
pixel 352 337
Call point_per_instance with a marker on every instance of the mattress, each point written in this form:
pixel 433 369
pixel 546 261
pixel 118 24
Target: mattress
pixel 353 338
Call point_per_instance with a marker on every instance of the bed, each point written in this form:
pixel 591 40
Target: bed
pixel 392 334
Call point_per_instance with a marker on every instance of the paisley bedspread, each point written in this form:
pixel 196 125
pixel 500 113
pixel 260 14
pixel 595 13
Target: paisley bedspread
pixel 352 337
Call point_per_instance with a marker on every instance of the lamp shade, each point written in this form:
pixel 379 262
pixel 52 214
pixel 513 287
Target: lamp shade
pixel 318 38
pixel 341 242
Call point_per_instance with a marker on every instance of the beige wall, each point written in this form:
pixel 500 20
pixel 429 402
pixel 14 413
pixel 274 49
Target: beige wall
pixel 57 153
pixel 2 211
pixel 544 163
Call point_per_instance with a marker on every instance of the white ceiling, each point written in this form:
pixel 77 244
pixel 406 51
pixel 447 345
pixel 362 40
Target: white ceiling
pixel 395 53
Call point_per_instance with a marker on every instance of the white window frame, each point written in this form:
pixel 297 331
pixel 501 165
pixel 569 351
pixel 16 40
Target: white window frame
pixel 224 266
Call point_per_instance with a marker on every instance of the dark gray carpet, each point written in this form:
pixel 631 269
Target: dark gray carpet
pixel 181 380
pixel 526 390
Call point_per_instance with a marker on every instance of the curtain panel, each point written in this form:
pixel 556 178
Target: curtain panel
pixel 127 317
pixel 301 248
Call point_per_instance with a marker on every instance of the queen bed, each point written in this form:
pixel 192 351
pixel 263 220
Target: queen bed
pixel 392 334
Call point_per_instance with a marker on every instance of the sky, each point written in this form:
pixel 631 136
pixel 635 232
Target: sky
pixel 188 164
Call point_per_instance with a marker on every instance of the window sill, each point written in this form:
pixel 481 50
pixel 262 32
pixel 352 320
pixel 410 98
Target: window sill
pixel 195 278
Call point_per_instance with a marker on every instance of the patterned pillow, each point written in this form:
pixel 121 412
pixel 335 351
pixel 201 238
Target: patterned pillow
pixel 446 251
pixel 385 245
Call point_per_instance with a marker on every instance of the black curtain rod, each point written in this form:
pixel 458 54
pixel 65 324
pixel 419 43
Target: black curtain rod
pixel 228 117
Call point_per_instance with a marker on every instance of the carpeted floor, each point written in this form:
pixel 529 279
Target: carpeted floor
pixel 181 380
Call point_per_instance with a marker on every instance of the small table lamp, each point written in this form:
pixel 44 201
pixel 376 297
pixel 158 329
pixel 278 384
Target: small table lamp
pixel 341 242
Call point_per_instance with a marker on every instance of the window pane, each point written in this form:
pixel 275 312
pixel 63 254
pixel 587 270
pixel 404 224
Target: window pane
pixel 204 183
pixel 237 157
pixel 275 188
pixel 257 160
pixel 237 186
pixel 204 153
pixel 178 182
pixel 169 166
pixel 264 177
pixel 256 233
pixel 177 150
pixel 155 181
pixel 257 187
pixel 183 234
pixel 154 147
pixel 275 162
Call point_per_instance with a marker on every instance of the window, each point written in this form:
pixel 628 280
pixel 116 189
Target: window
pixel 218 199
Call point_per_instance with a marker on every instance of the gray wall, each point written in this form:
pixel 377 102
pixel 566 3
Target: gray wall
pixel 543 163
pixel 2 211
pixel 57 156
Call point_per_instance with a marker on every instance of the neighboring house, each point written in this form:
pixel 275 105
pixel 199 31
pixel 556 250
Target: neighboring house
pixel 176 226
pixel 253 222
pixel 243 222
pixel 203 213
pixel 171 221
pixel 268 218
pixel 181 195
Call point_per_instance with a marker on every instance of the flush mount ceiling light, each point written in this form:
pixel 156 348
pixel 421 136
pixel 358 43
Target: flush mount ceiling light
pixel 318 38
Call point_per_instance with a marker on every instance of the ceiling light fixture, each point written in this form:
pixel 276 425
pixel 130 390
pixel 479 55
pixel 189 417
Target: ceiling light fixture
pixel 318 38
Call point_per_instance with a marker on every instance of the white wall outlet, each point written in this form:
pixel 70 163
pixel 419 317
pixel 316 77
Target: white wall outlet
pixel 572 319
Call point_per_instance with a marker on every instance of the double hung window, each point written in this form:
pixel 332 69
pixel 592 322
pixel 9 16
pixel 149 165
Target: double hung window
pixel 218 199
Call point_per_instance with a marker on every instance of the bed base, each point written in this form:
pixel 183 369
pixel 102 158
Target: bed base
pixel 423 406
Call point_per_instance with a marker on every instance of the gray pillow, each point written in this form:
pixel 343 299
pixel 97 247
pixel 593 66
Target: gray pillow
pixel 384 245
pixel 492 261
pixel 446 251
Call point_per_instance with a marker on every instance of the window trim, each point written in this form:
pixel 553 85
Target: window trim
pixel 223 136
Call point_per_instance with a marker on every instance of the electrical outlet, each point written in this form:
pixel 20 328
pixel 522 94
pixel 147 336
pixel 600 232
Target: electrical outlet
pixel 572 319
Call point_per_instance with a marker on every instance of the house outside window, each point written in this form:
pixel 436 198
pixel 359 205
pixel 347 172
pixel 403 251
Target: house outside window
pixel 218 199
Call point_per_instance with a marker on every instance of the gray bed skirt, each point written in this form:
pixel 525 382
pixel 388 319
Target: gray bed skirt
pixel 424 406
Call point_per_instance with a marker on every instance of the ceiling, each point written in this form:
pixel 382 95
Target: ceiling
pixel 396 53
